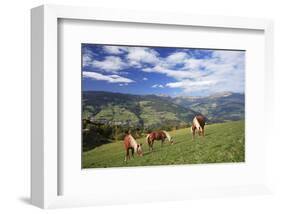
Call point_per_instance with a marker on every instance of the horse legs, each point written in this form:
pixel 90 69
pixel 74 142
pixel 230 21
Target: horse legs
pixel 203 133
pixel 152 145
pixel 162 141
pixel 192 132
pixel 132 152
pixel 149 144
pixel 127 155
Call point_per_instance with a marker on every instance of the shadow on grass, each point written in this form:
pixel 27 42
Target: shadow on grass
pixel 94 143
pixel 208 134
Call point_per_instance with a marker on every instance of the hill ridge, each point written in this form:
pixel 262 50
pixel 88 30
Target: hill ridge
pixel 151 109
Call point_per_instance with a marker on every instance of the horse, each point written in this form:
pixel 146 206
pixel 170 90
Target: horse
pixel 158 135
pixel 198 124
pixel 131 144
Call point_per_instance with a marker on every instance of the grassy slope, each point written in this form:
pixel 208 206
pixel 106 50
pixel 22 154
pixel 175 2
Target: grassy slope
pixel 151 110
pixel 223 142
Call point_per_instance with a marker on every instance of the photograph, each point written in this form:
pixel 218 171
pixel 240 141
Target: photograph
pixel 152 106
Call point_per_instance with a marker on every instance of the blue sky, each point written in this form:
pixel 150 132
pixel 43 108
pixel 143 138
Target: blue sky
pixel 162 70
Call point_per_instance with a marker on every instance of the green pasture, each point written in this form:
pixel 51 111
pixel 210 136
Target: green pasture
pixel 223 142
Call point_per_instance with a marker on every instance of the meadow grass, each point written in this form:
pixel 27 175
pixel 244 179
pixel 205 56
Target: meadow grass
pixel 223 143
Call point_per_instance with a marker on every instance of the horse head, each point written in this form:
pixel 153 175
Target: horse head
pixel 172 140
pixel 139 150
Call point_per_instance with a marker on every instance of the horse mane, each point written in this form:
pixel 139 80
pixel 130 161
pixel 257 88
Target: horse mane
pixel 147 136
pixel 132 139
pixel 196 123
pixel 167 135
pixel 133 142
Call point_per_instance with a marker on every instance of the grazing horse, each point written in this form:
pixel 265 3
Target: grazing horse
pixel 198 124
pixel 131 144
pixel 158 135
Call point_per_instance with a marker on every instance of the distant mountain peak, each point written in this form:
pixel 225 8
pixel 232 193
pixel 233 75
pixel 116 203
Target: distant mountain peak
pixel 162 95
pixel 156 109
pixel 222 94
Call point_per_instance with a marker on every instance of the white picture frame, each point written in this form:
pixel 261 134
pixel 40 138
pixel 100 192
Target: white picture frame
pixel 45 154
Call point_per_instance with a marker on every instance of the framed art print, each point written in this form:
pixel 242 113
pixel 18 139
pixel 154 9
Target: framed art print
pixel 124 98
pixel 151 102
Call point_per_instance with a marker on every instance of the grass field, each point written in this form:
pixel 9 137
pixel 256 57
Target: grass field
pixel 223 142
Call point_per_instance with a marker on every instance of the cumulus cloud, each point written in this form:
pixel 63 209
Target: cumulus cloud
pixel 123 84
pixel 115 49
pixel 176 74
pixel 191 70
pixel 110 64
pixel 139 55
pixel 175 84
pixel 177 58
pixel 157 86
pixel 223 71
pixel 192 86
pixel 87 57
pixel 108 78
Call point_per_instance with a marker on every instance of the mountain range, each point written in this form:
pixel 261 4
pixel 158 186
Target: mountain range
pixel 152 110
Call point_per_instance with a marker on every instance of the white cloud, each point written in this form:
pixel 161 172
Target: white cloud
pixel 229 56
pixel 194 63
pixel 110 64
pixel 123 84
pixel 191 86
pixel 138 55
pixel 109 78
pixel 87 60
pixel 115 49
pixel 177 58
pixel 176 74
pixel 192 71
pixel 87 57
pixel 223 71
pixel 157 86
pixel 175 84
pixel 145 78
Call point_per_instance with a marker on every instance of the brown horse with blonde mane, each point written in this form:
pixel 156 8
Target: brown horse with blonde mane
pixel 158 135
pixel 131 144
pixel 198 123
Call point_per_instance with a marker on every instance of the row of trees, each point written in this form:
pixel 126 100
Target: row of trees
pixel 97 134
